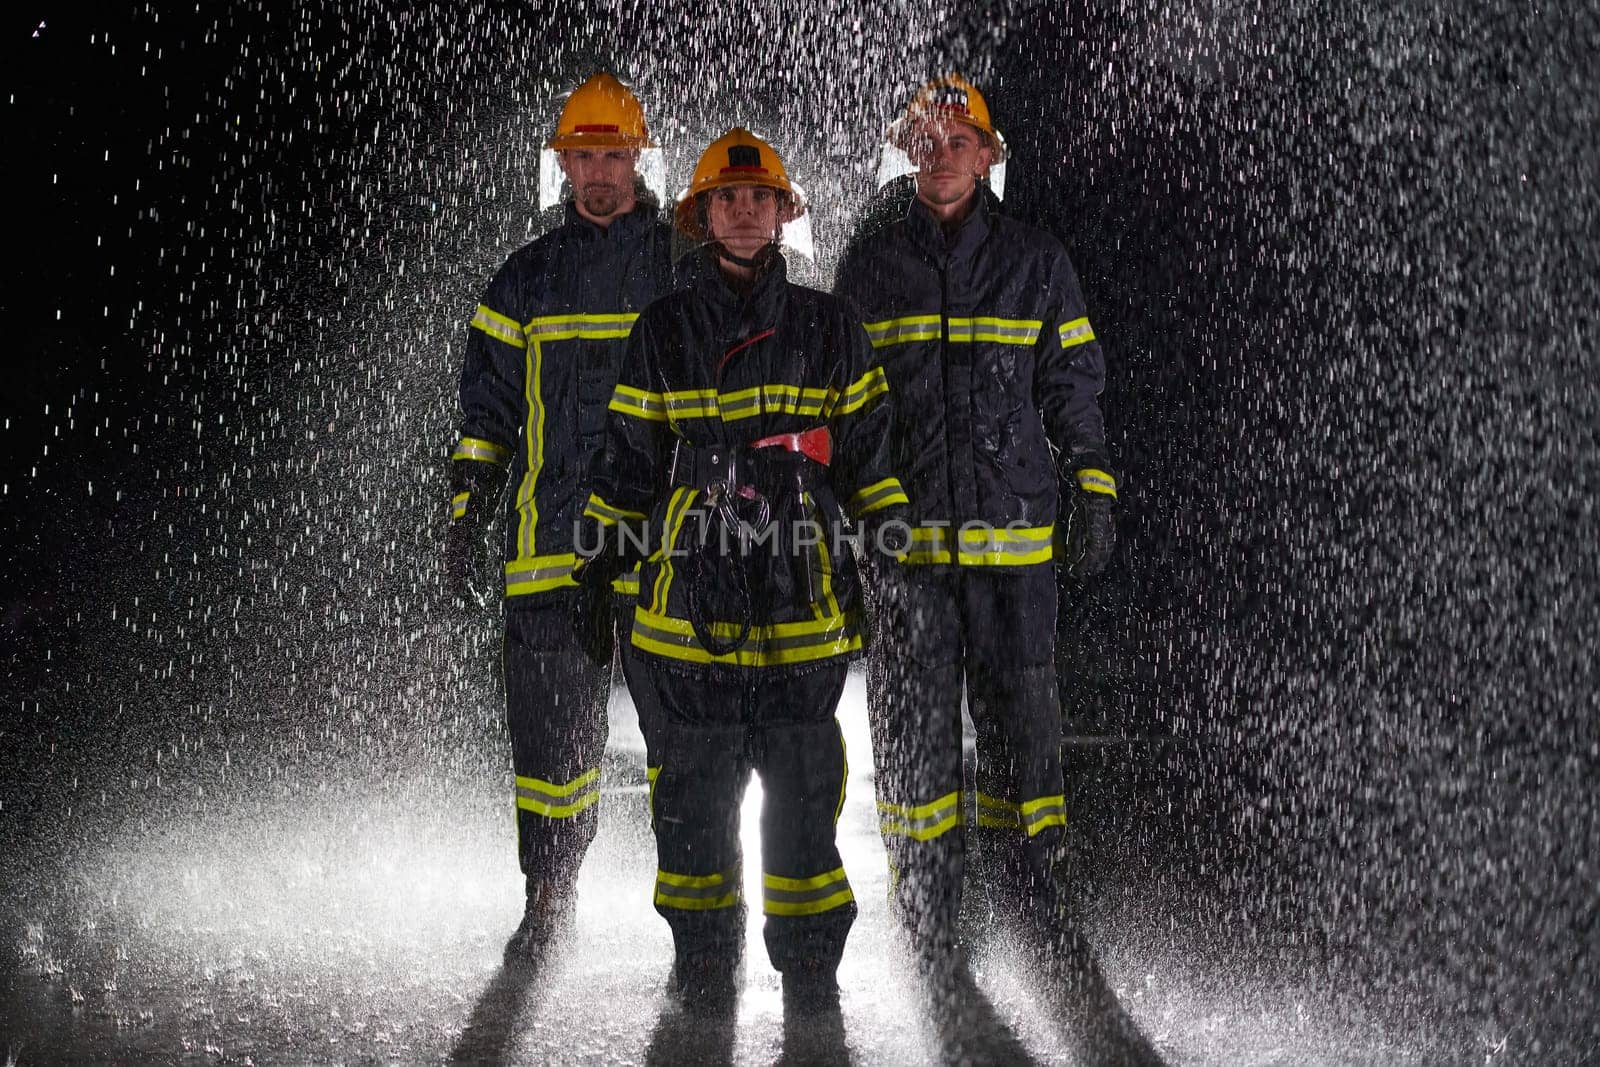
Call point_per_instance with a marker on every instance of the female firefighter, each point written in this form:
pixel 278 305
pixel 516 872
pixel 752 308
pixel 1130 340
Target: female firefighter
pixel 749 418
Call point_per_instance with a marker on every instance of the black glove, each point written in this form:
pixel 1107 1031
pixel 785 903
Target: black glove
pixel 477 487
pixel 1090 530
pixel 1091 533
pixel 592 618
pixel 466 559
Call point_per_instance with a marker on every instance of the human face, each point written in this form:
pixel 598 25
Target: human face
pixel 744 217
pixel 601 179
pixel 950 157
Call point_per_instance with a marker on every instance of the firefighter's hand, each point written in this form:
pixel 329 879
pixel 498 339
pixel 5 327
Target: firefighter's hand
pixel 1090 534
pixel 465 559
pixel 592 617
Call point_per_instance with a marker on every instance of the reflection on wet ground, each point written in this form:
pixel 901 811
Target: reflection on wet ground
pixel 364 923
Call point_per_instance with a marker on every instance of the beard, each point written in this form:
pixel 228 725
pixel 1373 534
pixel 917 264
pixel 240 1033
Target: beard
pixel 601 199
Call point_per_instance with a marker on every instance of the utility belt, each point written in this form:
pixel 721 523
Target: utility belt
pixel 754 467
pixel 751 485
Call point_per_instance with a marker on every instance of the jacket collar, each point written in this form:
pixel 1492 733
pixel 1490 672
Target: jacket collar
pixel 627 227
pixel 760 305
pixel 972 232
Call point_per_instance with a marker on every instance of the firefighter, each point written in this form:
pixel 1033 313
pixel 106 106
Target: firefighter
pixel 541 361
pixel 748 421
pixel 981 329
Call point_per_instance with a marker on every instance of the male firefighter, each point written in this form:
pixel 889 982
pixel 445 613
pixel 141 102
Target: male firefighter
pixel 747 422
pixel 994 370
pixel 541 361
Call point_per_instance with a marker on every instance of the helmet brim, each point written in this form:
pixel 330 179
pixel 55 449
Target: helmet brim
pixel 562 142
pixel 899 132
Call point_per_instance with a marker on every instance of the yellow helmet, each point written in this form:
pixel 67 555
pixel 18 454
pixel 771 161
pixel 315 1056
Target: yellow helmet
pixel 601 113
pixel 738 157
pixel 949 97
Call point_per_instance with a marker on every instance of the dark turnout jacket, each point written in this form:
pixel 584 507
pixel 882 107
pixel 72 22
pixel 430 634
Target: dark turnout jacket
pixel 542 355
pixel 994 371
pixel 708 371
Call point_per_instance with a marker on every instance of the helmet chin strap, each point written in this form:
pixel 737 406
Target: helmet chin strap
pixel 761 259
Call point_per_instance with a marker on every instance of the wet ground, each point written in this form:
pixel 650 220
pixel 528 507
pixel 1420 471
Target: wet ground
pixel 262 912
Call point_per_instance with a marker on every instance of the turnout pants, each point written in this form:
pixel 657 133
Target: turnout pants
pixel 556 710
pixel 716 725
pixel 989 632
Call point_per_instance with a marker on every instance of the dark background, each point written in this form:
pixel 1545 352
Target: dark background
pixel 1344 267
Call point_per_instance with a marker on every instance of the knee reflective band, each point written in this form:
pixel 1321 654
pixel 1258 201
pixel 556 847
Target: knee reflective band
pixel 1032 815
pixel 559 801
pixel 805 896
pixel 651 774
pixel 697 892
pixel 922 822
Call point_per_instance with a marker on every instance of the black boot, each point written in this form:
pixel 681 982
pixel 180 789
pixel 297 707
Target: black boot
pixel 707 984
pixel 546 916
pixel 811 987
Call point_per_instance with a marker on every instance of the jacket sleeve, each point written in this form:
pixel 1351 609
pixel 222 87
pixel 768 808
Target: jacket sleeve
pixel 848 279
pixel 491 399
pixel 860 421
pixel 627 475
pixel 1069 374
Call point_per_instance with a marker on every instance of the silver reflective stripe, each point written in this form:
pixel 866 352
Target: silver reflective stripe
pixel 498 326
pixel 1001 331
pixel 540 574
pixel 769 644
pixel 906 823
pixel 1076 332
pixel 693 892
pixel 1034 818
pixel 892 489
pixel 801 896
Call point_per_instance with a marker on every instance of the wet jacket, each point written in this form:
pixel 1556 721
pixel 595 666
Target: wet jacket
pixel 995 373
pixel 708 371
pixel 542 355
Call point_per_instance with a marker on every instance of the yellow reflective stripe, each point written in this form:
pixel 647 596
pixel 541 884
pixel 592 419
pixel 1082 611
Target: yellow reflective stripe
pixel 627 584
pixel 500 327
pixel 626 400
pixel 825 605
pixel 980 545
pixel 559 801
pixel 869 385
pixel 527 503
pixel 1043 812
pixel 458 505
pixel 1075 332
pixel 650 775
pixel 996 330
pixel 607 514
pixel 697 892
pixel 902 330
pixel 777 399
pixel 587 327
pixel 692 404
pixel 877 495
pixel 805 896
pixel 682 498
pixel 479 449
pixel 1091 480
pixel 997 813
pixel 539 574
pixel 767 646
pixel 1033 815
pixel 920 822
pixel 844 753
